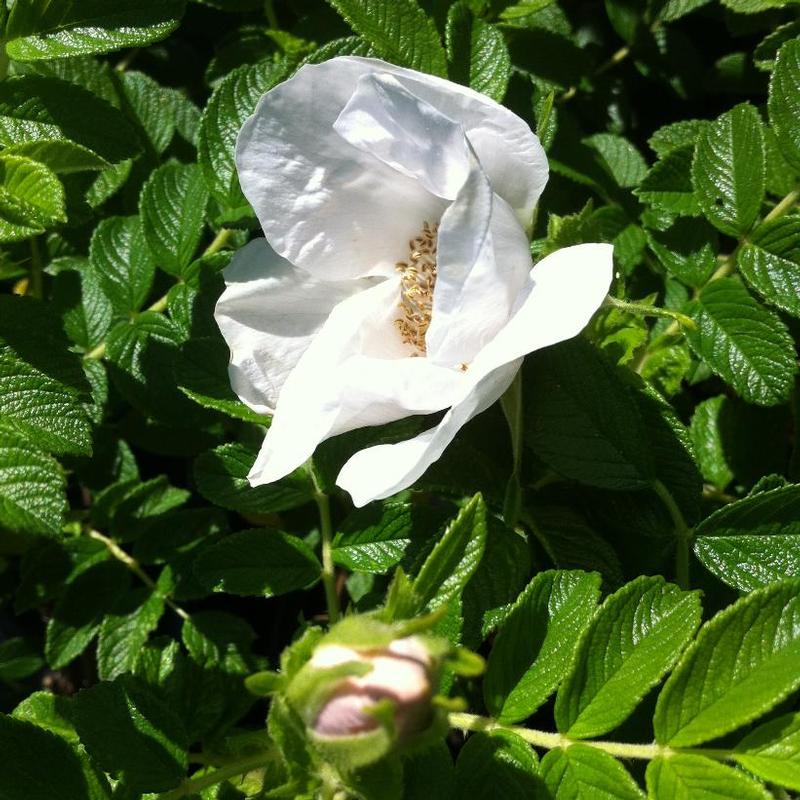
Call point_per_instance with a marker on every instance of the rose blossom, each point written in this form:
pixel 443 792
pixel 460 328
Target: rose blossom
pixel 395 278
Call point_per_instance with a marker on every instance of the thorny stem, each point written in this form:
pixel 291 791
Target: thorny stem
pixel 160 305
pixel 242 766
pixel 135 567
pixel 326 534
pixel 683 534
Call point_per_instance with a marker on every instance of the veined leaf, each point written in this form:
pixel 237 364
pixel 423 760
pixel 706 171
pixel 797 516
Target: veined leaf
pixel 580 772
pixel 743 662
pixel 31 198
pixel 686 777
pixel 784 101
pixel 772 751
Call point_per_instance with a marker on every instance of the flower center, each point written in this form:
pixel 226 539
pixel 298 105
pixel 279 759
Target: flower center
pixel 417 279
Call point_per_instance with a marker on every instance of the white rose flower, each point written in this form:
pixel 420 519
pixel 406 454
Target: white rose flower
pixel 395 278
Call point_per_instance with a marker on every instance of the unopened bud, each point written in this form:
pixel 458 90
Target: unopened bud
pixel 400 674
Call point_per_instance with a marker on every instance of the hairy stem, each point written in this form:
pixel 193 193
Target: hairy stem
pixel 683 534
pixel 326 534
pixel 136 568
pixel 642 310
pixel 160 305
pixel 240 767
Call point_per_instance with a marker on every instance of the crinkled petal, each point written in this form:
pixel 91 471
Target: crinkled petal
pixel 564 291
pixel 483 263
pixel 352 376
pixel 338 211
pixel 268 315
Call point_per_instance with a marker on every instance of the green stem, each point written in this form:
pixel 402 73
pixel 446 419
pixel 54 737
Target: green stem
pixel 642 310
pixel 511 403
pixel 326 534
pixel 133 565
pixel 160 305
pixel 272 17
pixel 36 275
pixel 240 767
pixel 683 534
pixel 784 205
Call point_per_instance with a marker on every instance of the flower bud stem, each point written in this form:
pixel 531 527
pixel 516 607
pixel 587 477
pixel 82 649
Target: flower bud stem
pixel 326 536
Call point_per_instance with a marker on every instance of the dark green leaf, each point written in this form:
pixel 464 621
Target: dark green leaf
pixel 784 101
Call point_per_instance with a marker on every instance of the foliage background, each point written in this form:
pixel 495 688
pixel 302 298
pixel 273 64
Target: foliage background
pixel 138 566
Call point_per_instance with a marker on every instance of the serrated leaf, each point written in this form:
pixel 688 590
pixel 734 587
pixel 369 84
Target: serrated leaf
pixel 477 52
pixel 221 477
pixel 122 262
pixel 258 562
pixel 767 49
pixel 675 135
pixel 754 6
pixel 536 644
pixel 580 772
pixel 770 263
pixel 148 748
pixel 729 170
pixel 26 747
pixel 50 711
pixel 455 557
pixel 675 9
pixel 201 373
pixel 742 663
pixel 79 611
pixel 36 108
pixel 582 420
pixel 497 764
pixel 687 249
pixel 685 777
pixel 632 642
pixel 668 184
pixel 233 100
pixel 41 29
pixel 59 155
pixel 32 487
pixel 172 208
pixel 744 343
pixel 708 444
pixel 772 751
pixel 619 158
pixel 31 198
pixel 42 384
pixel 399 30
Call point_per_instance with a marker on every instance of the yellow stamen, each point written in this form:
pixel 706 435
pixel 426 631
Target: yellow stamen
pixel 417 280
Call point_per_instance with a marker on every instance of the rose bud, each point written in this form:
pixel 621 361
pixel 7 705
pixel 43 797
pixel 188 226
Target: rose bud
pixel 400 675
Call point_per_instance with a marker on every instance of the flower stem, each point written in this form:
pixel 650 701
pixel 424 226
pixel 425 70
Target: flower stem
pixel 784 205
pixel 642 310
pixel 326 534
pixel 135 567
pixel 193 786
pixel 683 534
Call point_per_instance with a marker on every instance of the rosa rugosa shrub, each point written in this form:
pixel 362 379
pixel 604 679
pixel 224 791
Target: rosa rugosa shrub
pixel 398 399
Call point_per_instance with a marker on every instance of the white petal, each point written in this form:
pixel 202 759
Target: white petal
pixel 352 375
pixel 397 127
pixel 268 314
pixel 565 290
pixel 340 212
pixel 483 264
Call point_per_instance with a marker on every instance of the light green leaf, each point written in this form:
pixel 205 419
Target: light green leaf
pixel 43 29
pixel 202 374
pixel 745 344
pixel 619 158
pixel 675 135
pixel 754 6
pixel 399 30
pixel 477 52
pixel 584 773
pixel 743 662
pixel 59 155
pixel 772 751
pixel 668 184
pixel 688 777
pixel 38 765
pixel 536 644
pixel 708 444
pixel 455 557
pixel 122 262
pixel 582 420
pixel 148 746
pixel 633 640
pixel 221 477
pixel 31 198
pixel 258 562
pixel 770 263
pixel 35 108
pixel 42 384
pixel 233 100
pixel 729 170
pixel 497 764
pixel 53 712
pixel 172 207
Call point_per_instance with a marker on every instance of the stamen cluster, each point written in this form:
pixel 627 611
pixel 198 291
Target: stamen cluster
pixel 417 281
